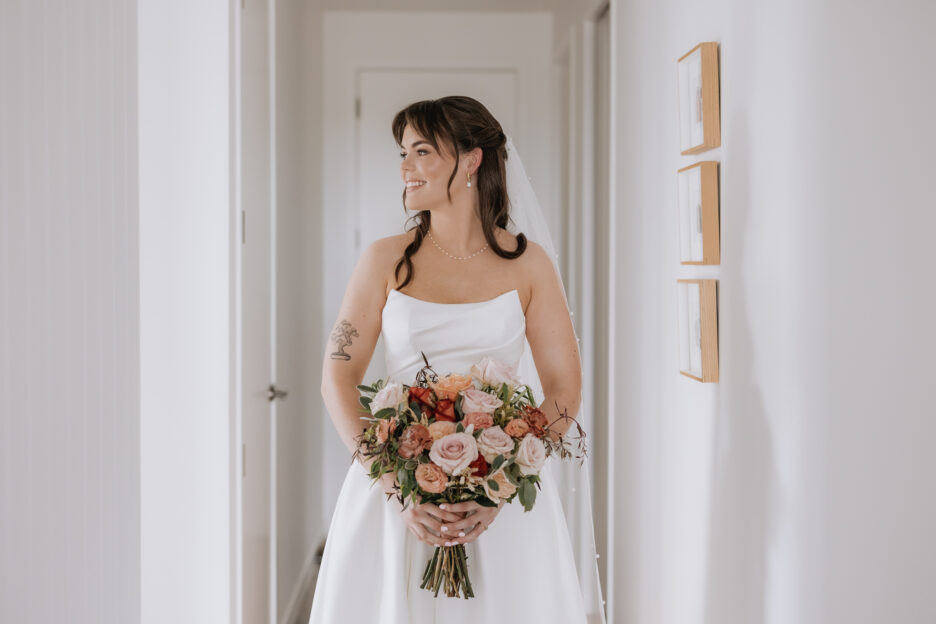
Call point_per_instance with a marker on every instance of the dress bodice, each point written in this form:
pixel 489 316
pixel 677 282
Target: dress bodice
pixel 454 336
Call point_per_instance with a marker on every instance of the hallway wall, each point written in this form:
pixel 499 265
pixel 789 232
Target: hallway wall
pixel 69 313
pixel 799 488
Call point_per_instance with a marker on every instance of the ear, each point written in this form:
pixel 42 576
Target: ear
pixel 474 158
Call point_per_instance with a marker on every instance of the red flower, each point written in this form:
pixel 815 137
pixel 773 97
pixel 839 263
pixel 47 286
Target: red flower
pixel 479 467
pixel 445 410
pixel 423 396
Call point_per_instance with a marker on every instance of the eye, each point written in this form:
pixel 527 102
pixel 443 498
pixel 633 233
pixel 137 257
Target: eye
pixel 422 151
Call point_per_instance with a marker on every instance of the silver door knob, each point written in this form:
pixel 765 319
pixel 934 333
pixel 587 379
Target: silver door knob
pixel 276 394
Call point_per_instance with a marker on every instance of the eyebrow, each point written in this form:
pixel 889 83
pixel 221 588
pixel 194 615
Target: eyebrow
pixel 415 143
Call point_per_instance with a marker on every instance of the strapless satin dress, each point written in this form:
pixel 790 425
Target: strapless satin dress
pixel 522 568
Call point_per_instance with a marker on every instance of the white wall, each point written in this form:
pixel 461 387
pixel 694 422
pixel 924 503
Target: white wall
pixel 69 330
pixel 799 488
pixel 186 234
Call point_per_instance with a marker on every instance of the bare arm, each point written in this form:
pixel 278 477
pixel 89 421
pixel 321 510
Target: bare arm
pixel 352 342
pixel 552 341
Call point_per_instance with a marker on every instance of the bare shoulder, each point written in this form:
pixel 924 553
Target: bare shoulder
pixel 536 265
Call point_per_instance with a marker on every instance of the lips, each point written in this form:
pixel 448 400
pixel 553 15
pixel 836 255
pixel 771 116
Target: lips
pixel 412 188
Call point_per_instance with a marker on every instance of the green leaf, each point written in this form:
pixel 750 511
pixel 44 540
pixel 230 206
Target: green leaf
pixel 364 388
pixel 365 402
pixel 497 463
pixel 484 501
pixel 527 495
pixel 387 412
pixel 493 485
pixel 459 428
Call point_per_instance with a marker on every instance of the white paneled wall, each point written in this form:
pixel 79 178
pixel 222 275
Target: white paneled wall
pixel 69 310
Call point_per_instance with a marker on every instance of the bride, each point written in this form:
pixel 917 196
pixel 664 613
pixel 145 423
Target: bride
pixel 457 286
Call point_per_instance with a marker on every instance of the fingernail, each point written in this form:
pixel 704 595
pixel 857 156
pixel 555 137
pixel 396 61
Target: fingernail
pixel 448 543
pixel 442 506
pixel 461 534
pixel 445 528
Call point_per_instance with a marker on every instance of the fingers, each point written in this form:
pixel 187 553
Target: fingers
pixel 460 526
pixel 462 507
pixel 439 514
pixel 425 536
pixel 472 535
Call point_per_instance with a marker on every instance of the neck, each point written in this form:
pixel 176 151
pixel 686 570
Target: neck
pixel 458 230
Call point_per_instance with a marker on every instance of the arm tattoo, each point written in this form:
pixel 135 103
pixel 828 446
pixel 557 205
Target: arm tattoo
pixel 342 337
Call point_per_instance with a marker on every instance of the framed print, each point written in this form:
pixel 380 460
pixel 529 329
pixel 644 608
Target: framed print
pixel 698 329
pixel 698 99
pixel 698 213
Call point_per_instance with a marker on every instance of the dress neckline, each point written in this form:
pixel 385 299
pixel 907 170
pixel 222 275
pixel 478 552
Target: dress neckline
pixel 465 303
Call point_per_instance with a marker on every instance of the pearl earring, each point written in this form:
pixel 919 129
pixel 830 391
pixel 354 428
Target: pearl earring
pixel 469 179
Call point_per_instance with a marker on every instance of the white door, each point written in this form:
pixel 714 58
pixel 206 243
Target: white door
pixel 258 319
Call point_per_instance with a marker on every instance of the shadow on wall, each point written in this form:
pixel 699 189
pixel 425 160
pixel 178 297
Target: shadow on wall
pixel 744 476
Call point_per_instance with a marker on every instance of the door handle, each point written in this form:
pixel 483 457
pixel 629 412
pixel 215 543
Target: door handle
pixel 276 394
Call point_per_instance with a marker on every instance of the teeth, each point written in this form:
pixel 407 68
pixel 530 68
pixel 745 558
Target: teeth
pixel 411 184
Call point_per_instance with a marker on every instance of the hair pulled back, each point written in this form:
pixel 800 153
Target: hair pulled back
pixel 463 124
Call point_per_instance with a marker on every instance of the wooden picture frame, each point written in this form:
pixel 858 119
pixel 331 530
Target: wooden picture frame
pixel 698 213
pixel 699 126
pixel 698 329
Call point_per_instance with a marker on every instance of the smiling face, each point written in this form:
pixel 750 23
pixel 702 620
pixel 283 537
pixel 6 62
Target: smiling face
pixel 425 171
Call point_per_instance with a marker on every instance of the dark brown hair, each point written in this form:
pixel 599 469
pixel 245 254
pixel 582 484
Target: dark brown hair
pixel 463 124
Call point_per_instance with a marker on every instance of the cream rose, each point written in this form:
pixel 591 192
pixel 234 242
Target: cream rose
pixel 495 372
pixel 441 428
pixel 505 488
pixel 454 452
pixel 390 395
pixel 474 400
pixel 531 455
pixel 493 441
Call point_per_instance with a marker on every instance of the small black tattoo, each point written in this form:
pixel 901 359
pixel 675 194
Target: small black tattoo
pixel 342 337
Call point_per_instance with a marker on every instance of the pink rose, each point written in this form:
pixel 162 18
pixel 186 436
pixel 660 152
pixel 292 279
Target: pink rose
pixel 474 400
pixel 480 420
pixel 384 427
pixel 454 452
pixel 495 372
pixel 517 428
pixel 390 395
pixel 505 488
pixel 531 455
pixel 493 441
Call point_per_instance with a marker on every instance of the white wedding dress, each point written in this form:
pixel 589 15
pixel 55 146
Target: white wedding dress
pixel 522 569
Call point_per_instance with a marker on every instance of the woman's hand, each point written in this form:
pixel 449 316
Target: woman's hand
pixel 476 520
pixel 424 520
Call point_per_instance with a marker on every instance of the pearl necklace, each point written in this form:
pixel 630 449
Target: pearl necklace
pixel 450 255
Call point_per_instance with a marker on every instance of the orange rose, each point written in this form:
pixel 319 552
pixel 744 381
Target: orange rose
pixel 415 440
pixel 536 419
pixel 431 478
pixel 449 386
pixel 517 428
pixel 444 410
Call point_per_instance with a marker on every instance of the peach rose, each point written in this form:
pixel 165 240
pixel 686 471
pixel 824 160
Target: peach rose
pixel 535 417
pixel 454 452
pixel 440 429
pixel 495 372
pixel 480 420
pixel 449 386
pixel 414 440
pixel 494 441
pixel 517 428
pixel 531 455
pixel 431 478
pixel 384 427
pixel 505 488
pixel 474 400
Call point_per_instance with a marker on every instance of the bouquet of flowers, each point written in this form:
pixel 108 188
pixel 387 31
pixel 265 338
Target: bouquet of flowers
pixel 476 437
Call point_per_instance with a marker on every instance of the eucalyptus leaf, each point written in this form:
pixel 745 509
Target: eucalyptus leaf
pixel 493 485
